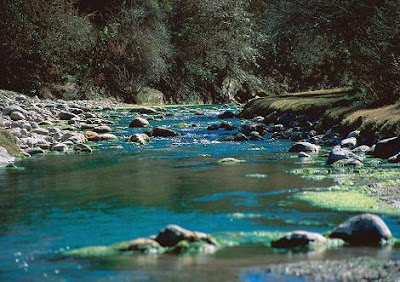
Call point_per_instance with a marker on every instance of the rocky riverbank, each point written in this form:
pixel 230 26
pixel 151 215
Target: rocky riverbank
pixel 33 126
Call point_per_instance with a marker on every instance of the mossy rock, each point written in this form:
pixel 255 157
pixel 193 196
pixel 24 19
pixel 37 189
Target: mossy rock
pixel 149 96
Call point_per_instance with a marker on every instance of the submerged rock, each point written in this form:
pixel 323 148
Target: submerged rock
pixel 362 230
pixel 298 238
pixel 304 147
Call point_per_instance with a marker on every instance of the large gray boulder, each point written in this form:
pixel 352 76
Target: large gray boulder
pixel 139 122
pixel 363 230
pixel 298 238
pixel 304 147
pixel 386 148
pixel 338 154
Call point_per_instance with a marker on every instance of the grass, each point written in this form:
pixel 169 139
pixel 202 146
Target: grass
pixel 313 102
pixel 8 142
pixel 342 106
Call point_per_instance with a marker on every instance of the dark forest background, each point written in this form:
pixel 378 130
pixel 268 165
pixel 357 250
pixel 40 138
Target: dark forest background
pixel 199 50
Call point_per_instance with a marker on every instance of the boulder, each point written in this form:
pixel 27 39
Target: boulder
pixel 13 108
pixel 5 157
pixel 92 136
pixel 142 245
pixel 394 159
pixel 107 137
pixel 67 115
pixel 349 142
pixel 238 136
pixel 227 115
pixel 363 149
pixel 102 129
pixel 171 235
pixel 82 148
pixel 34 151
pixel 227 126
pixel 304 147
pixel 304 155
pixel 354 134
pixel 140 138
pixel 139 122
pixel 160 131
pixel 15 115
pixel 60 147
pixel 255 136
pixel 229 161
pixel 386 148
pixel 338 153
pixel 298 238
pixel 145 110
pixel 362 230
pixel 213 127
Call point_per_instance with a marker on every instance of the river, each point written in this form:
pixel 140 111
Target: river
pixel 52 203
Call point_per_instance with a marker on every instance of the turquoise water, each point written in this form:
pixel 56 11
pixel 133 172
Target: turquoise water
pixel 55 203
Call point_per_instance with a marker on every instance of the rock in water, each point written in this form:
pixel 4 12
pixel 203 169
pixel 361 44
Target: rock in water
pixel 5 157
pixel 160 131
pixel 139 122
pixel 173 234
pixel 362 230
pixel 229 161
pixel 102 129
pixel 67 116
pixel 142 245
pixel 226 115
pixel 339 154
pixel 82 148
pixel 349 142
pixel 140 138
pixel 60 147
pixel 298 238
pixel 386 148
pixel 304 147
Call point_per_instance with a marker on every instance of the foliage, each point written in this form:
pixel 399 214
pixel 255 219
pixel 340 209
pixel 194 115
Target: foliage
pixel 202 51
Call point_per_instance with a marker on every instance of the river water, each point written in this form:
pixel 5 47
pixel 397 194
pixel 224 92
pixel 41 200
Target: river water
pixel 59 202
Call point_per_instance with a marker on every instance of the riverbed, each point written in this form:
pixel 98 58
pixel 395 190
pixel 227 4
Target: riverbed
pixel 121 191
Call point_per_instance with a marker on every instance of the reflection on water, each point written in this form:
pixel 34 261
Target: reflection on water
pixel 57 202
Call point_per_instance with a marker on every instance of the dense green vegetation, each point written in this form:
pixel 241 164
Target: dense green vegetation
pixel 200 51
